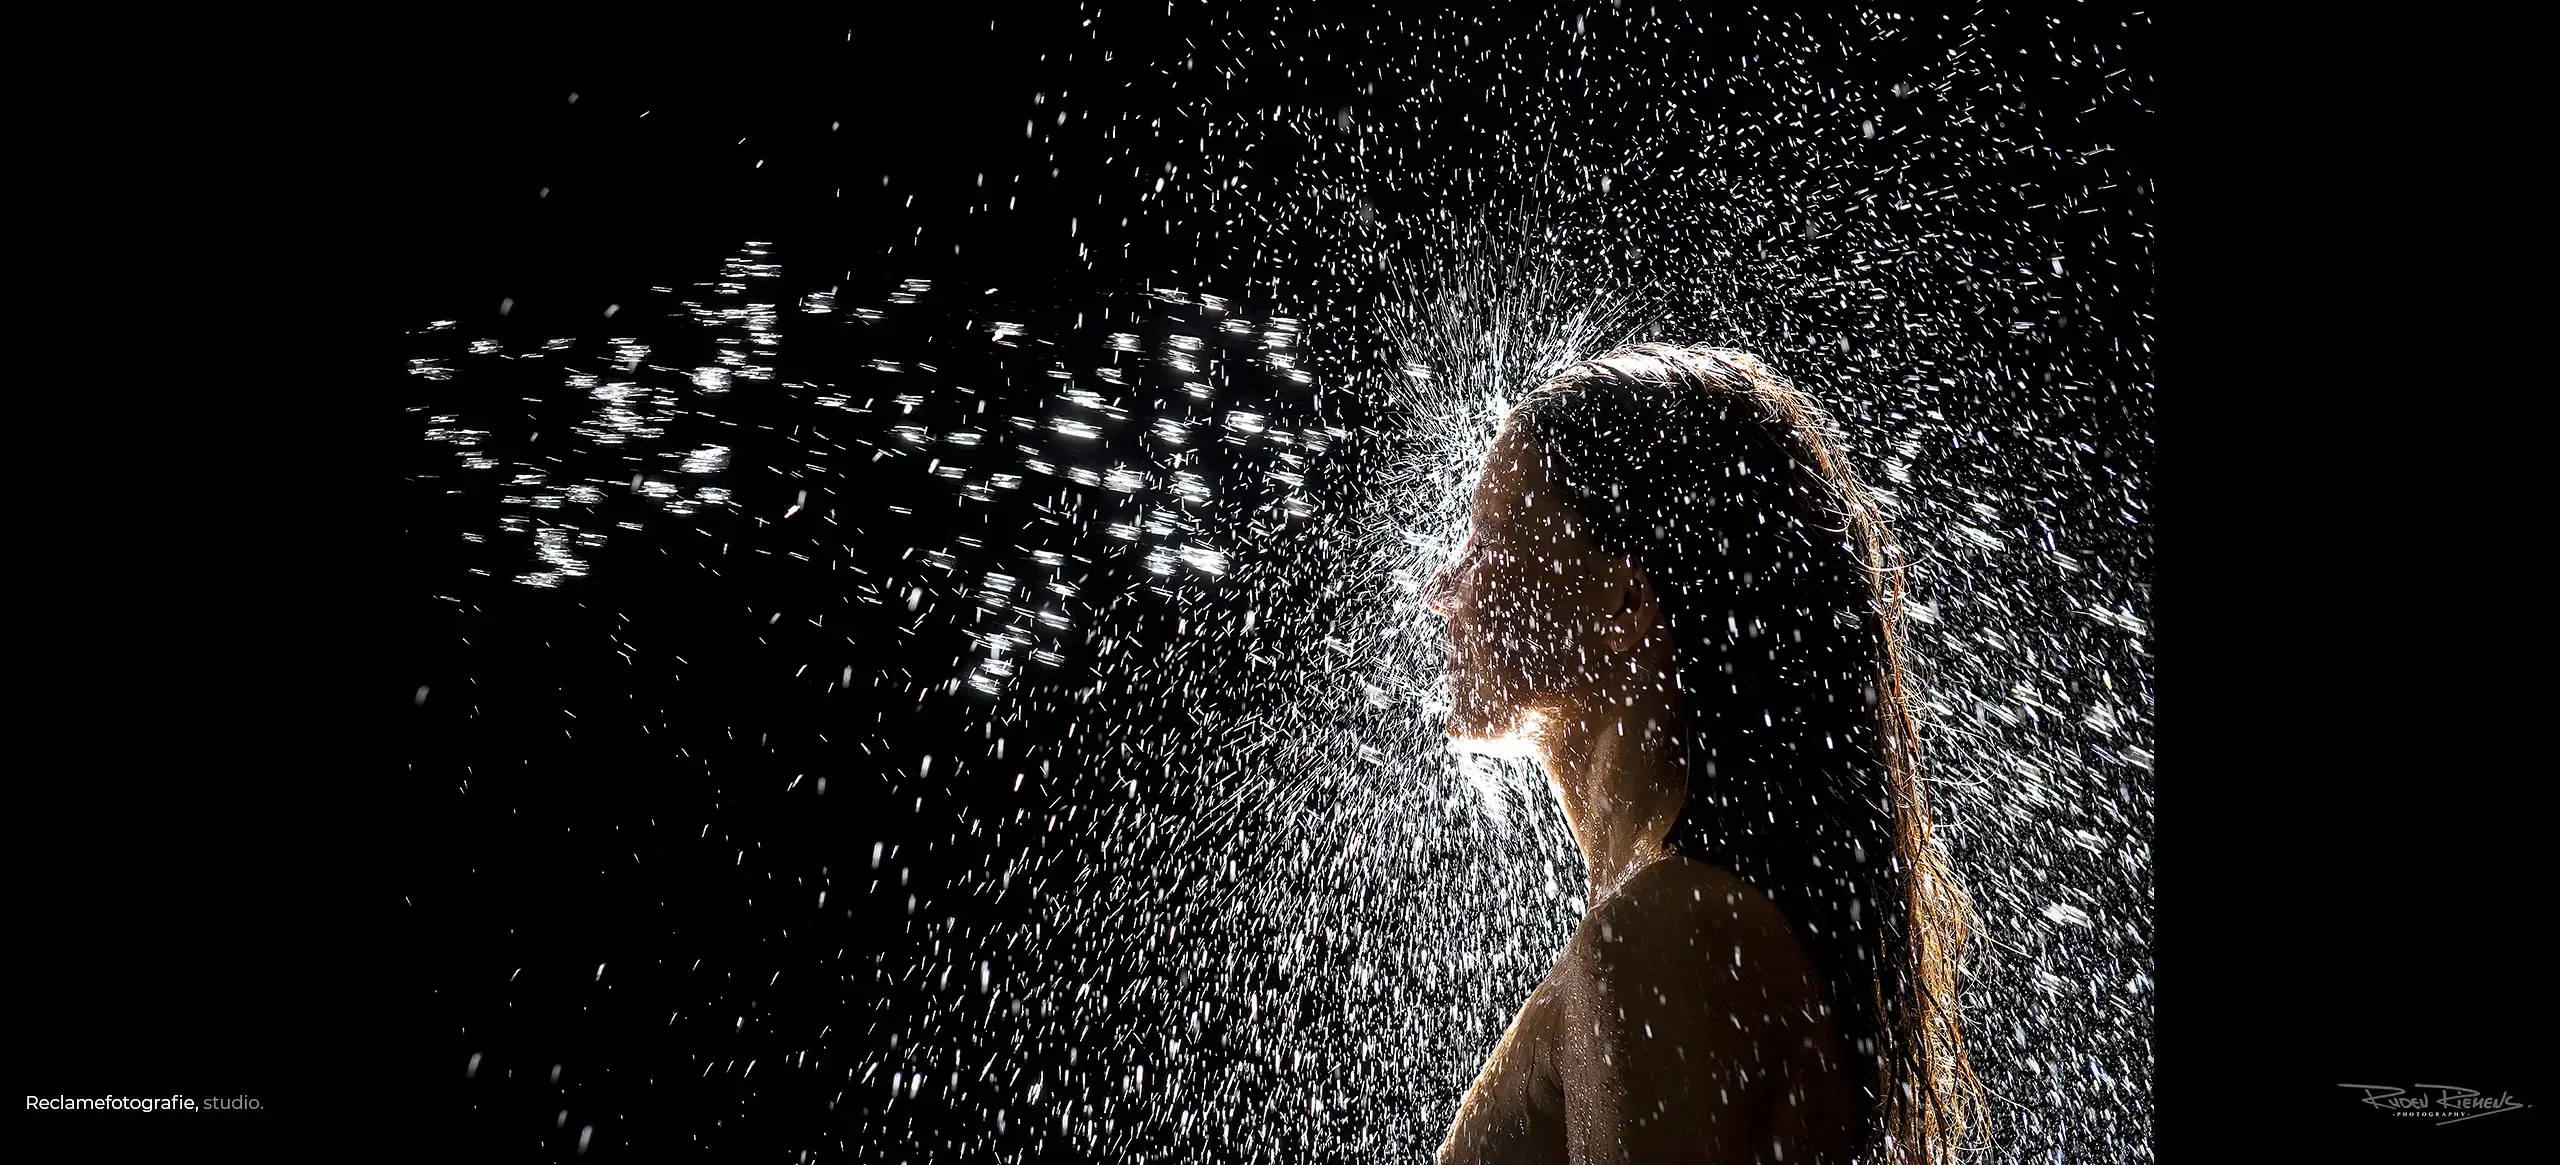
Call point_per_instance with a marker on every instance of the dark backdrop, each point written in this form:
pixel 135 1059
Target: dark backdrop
pixel 220 845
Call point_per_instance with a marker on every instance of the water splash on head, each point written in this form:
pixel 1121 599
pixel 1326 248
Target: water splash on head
pixel 1205 880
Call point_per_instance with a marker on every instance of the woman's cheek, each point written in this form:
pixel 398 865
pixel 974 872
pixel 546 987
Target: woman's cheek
pixel 1525 638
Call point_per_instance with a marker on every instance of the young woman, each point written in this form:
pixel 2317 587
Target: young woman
pixel 1676 597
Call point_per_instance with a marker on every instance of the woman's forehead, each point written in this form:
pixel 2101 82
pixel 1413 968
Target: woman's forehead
pixel 1514 476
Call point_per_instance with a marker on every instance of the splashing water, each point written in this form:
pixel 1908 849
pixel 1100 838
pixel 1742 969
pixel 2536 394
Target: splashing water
pixel 1208 883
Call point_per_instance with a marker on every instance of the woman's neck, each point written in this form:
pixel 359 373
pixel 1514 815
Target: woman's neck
pixel 1621 779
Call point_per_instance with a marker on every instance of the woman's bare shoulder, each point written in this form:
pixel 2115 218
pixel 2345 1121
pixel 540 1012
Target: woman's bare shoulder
pixel 1681 994
pixel 1676 912
pixel 1514 1110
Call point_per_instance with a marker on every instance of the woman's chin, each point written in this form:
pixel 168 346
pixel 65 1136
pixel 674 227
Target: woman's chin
pixel 1493 746
pixel 1486 736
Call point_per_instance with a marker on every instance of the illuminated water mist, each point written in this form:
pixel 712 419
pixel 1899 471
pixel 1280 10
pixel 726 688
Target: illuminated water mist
pixel 1242 904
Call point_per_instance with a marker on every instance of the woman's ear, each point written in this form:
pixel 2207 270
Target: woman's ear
pixel 1639 612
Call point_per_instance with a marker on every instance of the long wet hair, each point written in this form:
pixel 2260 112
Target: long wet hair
pixel 1783 594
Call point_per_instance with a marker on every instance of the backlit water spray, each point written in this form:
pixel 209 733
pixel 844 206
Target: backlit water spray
pixel 1208 884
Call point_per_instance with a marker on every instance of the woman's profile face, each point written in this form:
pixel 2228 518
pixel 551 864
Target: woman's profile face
pixel 1531 602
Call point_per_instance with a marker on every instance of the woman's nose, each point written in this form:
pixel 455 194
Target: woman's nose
pixel 1436 595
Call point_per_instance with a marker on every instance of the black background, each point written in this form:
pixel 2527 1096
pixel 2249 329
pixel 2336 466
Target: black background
pixel 214 844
